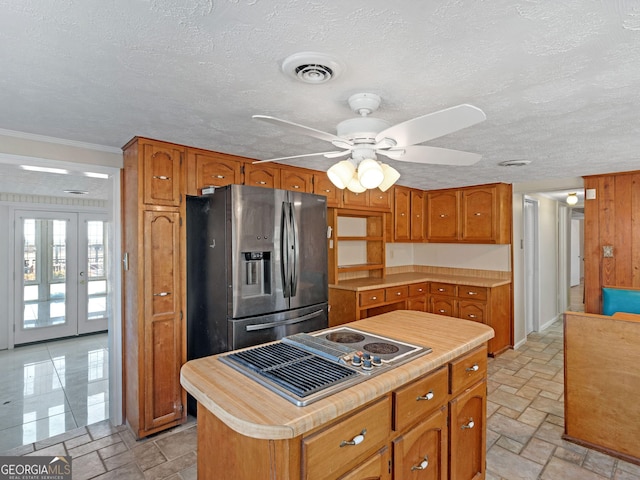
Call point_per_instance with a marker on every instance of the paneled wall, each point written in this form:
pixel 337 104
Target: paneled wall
pixel 611 219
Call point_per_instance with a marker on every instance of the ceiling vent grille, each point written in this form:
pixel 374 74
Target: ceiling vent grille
pixel 311 67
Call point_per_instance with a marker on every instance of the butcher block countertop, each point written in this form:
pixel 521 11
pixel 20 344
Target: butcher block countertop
pixel 396 279
pixel 252 410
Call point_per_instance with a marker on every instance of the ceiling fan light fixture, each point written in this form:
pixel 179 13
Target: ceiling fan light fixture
pixel 342 173
pixel 572 199
pixel 355 186
pixel 370 173
pixel 391 176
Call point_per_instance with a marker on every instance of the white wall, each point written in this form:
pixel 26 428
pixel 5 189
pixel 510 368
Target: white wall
pixel 519 319
pixel 549 258
pixel 4 279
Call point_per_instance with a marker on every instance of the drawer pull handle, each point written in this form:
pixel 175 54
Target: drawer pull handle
pixel 423 464
pixel 357 440
pixel 442 215
pixel 477 214
pixel 261 182
pixel 471 315
pixel 374 298
pixel 161 294
pixel 441 311
pixel 475 368
pixel 442 290
pixel 217 176
pixel 468 425
pixel 398 293
pixel 420 290
pixel 472 293
pixel 296 186
pixel 327 190
pixel 161 177
pixel 428 396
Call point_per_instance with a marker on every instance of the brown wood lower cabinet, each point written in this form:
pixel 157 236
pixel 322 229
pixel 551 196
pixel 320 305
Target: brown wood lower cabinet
pixel 431 428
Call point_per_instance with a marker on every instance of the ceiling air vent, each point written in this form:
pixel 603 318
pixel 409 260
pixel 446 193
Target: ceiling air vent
pixel 311 67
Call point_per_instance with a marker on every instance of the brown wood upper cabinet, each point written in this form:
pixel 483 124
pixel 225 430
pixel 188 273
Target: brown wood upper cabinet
pixel 480 214
pixel 211 169
pixel 323 186
pixel 374 199
pixel 162 164
pixel 408 214
pixel 296 179
pixel 260 175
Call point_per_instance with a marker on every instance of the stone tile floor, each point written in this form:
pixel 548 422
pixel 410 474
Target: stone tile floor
pixel 525 425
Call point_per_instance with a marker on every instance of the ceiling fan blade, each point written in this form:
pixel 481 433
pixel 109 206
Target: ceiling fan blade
pixel 317 154
pixel 432 155
pixel 301 129
pixel 432 125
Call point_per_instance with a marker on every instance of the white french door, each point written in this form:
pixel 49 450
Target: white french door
pixel 61 280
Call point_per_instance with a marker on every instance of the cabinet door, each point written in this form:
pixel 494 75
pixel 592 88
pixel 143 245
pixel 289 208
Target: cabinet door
pixel 475 311
pixel 479 210
pixel 162 355
pixel 442 216
pixel 378 467
pixel 323 186
pixel 417 215
pixel 444 306
pixel 296 180
pixel 421 453
pixel 261 176
pixel 418 303
pixel 356 200
pixel 467 437
pixel 401 214
pixel 380 199
pixel 161 173
pixel 215 170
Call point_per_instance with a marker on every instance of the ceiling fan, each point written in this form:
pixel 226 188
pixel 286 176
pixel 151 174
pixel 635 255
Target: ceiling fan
pixel 364 137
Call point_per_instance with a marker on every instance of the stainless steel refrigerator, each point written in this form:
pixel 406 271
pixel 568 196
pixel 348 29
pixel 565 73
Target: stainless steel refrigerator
pixel 256 267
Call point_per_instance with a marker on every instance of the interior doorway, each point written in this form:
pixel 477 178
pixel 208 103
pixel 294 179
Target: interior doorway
pixel 531 265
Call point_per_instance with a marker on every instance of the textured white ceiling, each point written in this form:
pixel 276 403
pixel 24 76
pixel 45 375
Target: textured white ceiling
pixel 559 81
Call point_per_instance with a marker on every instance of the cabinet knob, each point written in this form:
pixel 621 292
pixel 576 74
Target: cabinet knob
pixel 420 290
pixel 441 289
pixel 327 190
pixel 469 425
pixel 474 368
pixel 477 214
pixel 398 293
pixel 357 440
pixel 262 182
pixel 161 177
pixel 161 294
pixel 441 311
pixel 428 396
pixel 442 215
pixel 471 315
pixel 374 298
pixel 472 293
pixel 423 464
pixel 296 186
pixel 217 176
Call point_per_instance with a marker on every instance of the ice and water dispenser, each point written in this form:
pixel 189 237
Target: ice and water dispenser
pixel 256 276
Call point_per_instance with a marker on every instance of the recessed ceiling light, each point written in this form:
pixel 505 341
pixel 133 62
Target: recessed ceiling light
pixel 96 175
pixel 76 192
pixel 33 168
pixel 514 163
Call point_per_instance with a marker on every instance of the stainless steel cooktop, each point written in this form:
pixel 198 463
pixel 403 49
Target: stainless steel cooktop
pixel 306 367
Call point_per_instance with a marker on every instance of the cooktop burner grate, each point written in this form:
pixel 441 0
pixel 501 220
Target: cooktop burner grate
pixel 293 369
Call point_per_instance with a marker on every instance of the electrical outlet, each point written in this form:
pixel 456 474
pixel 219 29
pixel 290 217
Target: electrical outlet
pixel 607 251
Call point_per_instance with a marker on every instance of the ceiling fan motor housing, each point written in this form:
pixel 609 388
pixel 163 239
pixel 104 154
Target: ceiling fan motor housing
pixel 361 129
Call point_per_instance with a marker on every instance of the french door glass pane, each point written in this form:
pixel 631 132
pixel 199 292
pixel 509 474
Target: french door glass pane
pixel 96 271
pixel 45 272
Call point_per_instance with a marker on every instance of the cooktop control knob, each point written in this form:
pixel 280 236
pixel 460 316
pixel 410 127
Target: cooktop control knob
pixel 366 364
pixel 367 356
pixel 376 361
pixel 356 361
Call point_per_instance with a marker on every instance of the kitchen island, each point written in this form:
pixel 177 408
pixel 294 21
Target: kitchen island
pixel 391 423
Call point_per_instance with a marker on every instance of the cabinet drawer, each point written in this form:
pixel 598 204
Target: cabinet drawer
pixel 419 398
pixel 443 289
pixel 472 311
pixel 371 297
pixel 467 370
pixel 326 454
pixel 470 292
pixel 396 293
pixel 416 289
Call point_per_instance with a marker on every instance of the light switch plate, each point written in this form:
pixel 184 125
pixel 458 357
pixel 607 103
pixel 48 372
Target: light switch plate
pixel 590 194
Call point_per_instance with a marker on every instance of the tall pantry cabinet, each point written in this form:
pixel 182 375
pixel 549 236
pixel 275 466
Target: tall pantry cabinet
pixel 153 276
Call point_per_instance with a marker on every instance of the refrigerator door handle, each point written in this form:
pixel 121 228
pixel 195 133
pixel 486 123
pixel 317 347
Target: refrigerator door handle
pixel 264 326
pixel 285 246
pixel 295 253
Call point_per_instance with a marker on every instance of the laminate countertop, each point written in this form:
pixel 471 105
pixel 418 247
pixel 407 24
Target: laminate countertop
pixel 254 411
pixel 397 279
